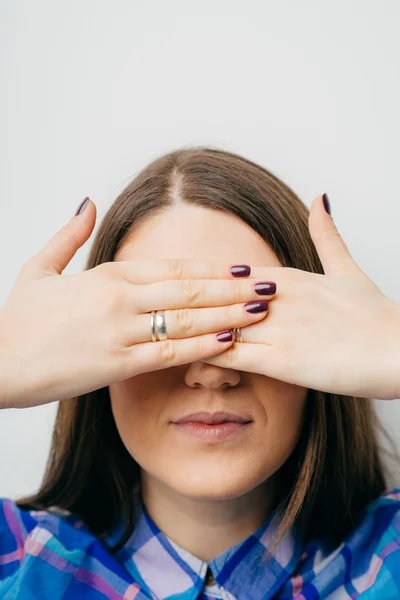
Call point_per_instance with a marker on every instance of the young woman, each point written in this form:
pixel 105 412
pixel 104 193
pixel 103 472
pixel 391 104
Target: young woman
pixel 214 364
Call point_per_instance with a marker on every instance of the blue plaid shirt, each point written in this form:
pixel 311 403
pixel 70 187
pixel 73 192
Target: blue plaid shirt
pixel 52 555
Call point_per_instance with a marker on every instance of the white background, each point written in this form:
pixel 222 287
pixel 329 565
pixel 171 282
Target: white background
pixel 91 91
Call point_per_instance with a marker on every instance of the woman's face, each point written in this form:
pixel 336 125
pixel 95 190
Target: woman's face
pixel 144 405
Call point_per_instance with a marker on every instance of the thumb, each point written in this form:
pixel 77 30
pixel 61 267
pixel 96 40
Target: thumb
pixel 332 251
pixel 60 249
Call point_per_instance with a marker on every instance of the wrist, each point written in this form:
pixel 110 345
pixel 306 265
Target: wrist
pixel 397 395
pixel 393 351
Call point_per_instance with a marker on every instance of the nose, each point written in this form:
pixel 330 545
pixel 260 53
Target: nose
pixel 201 374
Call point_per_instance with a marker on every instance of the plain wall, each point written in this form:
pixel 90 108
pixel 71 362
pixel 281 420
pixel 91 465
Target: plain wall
pixel 91 91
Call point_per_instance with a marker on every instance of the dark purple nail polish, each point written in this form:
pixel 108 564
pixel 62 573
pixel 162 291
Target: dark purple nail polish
pixel 82 207
pixel 327 206
pixel 240 270
pixel 224 336
pixel 265 287
pixel 256 307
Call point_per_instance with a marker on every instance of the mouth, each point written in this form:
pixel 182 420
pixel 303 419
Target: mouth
pixel 216 418
pixel 213 427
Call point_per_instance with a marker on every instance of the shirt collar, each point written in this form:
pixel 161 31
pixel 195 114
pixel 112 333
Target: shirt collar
pixel 165 570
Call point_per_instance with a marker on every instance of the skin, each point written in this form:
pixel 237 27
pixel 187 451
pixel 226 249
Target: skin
pixel 206 497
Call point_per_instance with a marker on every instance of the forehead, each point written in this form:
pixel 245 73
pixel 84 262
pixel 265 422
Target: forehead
pixel 193 232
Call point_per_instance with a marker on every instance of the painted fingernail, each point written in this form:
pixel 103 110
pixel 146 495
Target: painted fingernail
pixel 256 307
pixel 327 205
pixel 83 205
pixel 224 336
pixel 240 270
pixel 265 287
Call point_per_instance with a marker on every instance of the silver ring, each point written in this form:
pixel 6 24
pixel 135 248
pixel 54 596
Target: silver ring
pixel 158 326
pixel 153 327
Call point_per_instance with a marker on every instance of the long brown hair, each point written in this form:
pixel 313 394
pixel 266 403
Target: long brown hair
pixel 335 469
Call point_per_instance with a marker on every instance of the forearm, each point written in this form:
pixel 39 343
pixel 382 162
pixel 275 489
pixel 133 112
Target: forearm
pixel 4 366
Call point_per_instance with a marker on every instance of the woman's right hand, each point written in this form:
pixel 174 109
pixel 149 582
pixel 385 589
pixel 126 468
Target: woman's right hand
pixel 65 335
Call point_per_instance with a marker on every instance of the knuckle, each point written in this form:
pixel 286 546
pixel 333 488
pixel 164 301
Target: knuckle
pixel 167 351
pixel 228 314
pixel 191 290
pixel 185 318
pixel 107 268
pixel 175 267
pixel 199 346
pixel 238 291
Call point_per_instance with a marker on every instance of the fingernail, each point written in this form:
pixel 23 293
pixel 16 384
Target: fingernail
pixel 265 287
pixel 82 207
pixel 256 307
pixel 327 206
pixel 240 270
pixel 224 336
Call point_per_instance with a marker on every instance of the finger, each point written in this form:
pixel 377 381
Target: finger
pixel 332 250
pixel 53 258
pixel 251 358
pixel 145 271
pixel 152 356
pixel 196 293
pixel 191 322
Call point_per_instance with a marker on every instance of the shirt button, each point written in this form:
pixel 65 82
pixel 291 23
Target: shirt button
pixel 209 577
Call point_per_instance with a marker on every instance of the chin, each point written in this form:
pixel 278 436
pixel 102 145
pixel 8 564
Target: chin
pixel 213 486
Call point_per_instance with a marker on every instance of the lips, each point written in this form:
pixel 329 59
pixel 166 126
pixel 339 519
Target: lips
pixel 213 418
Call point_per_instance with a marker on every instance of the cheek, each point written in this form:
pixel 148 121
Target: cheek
pixel 135 419
pixel 285 419
pixel 281 437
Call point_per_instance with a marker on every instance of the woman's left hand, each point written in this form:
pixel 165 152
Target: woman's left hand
pixel 335 332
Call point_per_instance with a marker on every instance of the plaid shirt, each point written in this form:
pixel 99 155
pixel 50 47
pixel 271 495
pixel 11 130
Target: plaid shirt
pixel 52 555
